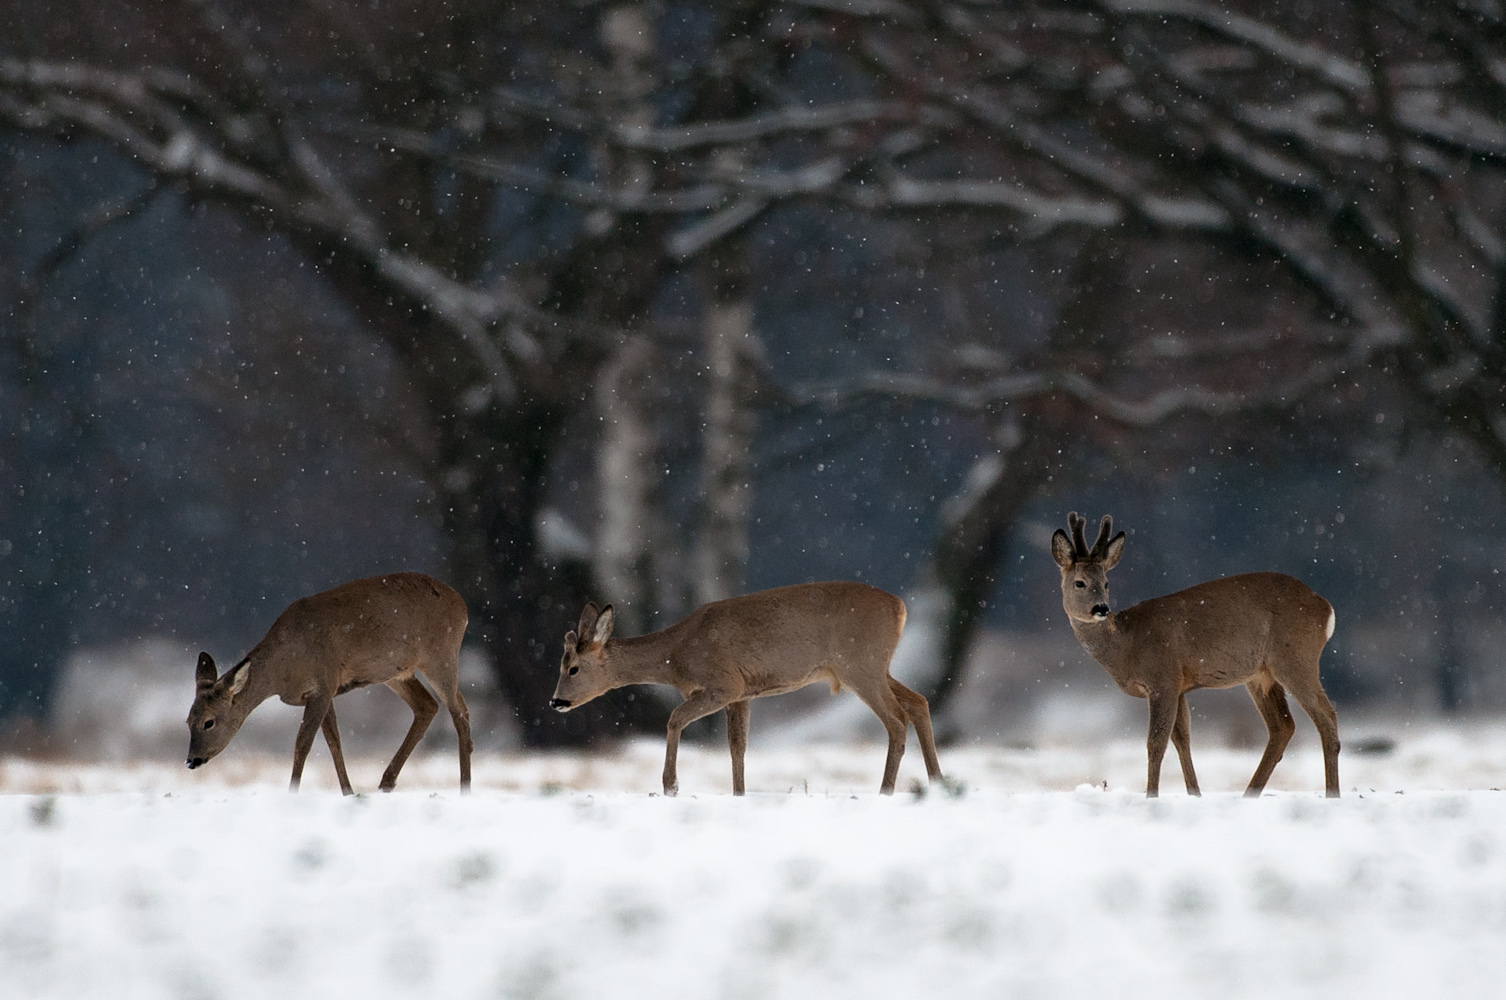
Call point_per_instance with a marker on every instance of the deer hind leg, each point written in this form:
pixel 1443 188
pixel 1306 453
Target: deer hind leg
pixel 1271 700
pixel 1318 708
pixel 412 691
pixel 1181 738
pixel 446 682
pixel 332 738
pixel 886 705
pixel 314 711
pixel 737 740
pixel 918 711
pixel 697 706
pixel 460 716
pixel 1163 717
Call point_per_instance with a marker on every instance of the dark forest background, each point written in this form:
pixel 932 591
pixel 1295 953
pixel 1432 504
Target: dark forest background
pixel 654 303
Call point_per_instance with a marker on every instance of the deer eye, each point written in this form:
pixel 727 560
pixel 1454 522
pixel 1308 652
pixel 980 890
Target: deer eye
pixel 1081 584
pixel 574 671
pixel 208 723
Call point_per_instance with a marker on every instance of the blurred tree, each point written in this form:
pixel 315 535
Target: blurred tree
pixel 505 195
pixel 270 117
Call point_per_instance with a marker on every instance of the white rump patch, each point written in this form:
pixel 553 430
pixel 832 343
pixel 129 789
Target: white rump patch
pixel 1332 620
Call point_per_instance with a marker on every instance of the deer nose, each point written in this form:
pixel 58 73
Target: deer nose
pixel 194 762
pixel 1100 611
pixel 559 704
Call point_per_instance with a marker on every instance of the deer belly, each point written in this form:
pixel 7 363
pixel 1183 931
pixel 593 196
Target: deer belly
pixel 763 686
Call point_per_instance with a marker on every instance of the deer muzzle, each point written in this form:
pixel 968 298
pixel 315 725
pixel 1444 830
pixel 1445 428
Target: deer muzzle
pixel 194 762
pixel 560 704
pixel 1100 611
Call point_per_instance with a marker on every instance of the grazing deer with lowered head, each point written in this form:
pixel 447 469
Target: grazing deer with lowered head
pixel 381 630
pixel 1263 630
pixel 728 652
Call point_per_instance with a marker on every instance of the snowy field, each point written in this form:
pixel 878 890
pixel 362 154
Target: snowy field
pixel 562 877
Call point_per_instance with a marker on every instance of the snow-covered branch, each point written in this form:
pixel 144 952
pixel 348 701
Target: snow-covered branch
pixel 1022 387
pixel 138 114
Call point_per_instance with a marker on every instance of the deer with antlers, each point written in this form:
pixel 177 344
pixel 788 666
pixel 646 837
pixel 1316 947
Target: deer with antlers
pixel 1263 630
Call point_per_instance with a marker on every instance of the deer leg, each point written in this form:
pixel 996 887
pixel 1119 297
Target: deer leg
pixel 446 681
pixel 737 741
pixel 1318 708
pixel 1271 700
pixel 697 706
pixel 891 712
pixel 332 739
pixel 313 717
pixel 460 715
pixel 1181 738
pixel 1163 716
pixel 412 691
pixel 918 710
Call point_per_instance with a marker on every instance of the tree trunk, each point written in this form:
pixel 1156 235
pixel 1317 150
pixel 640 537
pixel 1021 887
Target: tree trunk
pixel 976 527
pixel 630 553
pixel 732 353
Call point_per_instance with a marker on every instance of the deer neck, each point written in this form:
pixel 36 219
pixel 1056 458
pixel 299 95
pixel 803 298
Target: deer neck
pixel 642 659
pixel 260 685
pixel 1107 642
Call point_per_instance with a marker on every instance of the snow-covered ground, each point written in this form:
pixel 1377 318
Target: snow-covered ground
pixel 561 876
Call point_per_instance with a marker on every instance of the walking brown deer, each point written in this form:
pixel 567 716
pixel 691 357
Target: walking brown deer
pixel 728 652
pixel 1263 630
pixel 380 630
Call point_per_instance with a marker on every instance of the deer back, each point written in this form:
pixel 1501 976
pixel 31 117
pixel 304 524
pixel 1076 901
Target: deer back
pixel 776 638
pixel 757 644
pixel 363 632
pixel 1216 634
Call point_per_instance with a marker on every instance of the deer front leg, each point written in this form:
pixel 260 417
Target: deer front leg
pixel 332 738
pixel 1181 738
pixel 313 717
pixel 1163 715
pixel 697 706
pixel 737 741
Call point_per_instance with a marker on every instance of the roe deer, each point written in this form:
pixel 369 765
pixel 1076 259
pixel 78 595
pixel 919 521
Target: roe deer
pixel 727 652
pixel 1263 630
pixel 381 630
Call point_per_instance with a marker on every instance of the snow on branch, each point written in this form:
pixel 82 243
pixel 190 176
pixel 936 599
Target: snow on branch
pixel 1345 73
pixel 668 139
pixel 301 194
pixel 1027 386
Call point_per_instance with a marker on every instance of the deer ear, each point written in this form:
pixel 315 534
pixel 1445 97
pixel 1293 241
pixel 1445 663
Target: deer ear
pixel 1061 549
pixel 206 673
pixel 571 639
pixel 588 616
pixel 1113 551
pixel 604 625
pixel 236 679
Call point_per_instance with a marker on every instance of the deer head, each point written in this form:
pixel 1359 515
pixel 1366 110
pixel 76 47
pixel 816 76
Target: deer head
pixel 216 714
pixel 1085 582
pixel 583 668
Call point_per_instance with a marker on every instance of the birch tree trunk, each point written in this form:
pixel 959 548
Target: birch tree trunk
pixel 628 557
pixel 732 353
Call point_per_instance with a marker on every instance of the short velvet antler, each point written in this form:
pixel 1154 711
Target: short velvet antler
pixel 1105 529
pixel 1077 522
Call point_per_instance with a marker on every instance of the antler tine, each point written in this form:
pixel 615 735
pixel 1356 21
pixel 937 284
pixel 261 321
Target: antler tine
pixel 1105 529
pixel 1077 522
